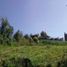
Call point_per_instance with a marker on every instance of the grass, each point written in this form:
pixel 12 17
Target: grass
pixel 37 54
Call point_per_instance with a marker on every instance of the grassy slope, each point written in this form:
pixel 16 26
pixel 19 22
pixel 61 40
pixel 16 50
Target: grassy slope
pixel 37 54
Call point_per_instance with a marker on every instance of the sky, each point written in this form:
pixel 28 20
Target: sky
pixel 34 16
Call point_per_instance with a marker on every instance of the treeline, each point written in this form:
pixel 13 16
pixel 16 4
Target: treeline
pixel 7 35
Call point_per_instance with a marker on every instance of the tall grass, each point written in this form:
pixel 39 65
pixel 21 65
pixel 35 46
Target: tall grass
pixel 39 55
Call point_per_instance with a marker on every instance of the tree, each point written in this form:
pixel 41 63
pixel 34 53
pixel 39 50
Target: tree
pixel 34 38
pixel 17 36
pixel 6 31
pixel 35 35
pixel 44 35
pixel 26 36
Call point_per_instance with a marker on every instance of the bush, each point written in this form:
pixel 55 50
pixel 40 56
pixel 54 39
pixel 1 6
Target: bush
pixel 62 63
pixel 36 39
pixel 41 65
pixel 25 62
pixel 49 65
pixel 20 62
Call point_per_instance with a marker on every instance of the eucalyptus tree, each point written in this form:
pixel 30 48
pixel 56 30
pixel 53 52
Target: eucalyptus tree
pixel 6 31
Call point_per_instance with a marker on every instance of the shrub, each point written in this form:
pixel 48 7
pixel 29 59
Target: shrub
pixel 25 62
pixel 62 63
pixel 19 62
pixel 36 39
pixel 49 65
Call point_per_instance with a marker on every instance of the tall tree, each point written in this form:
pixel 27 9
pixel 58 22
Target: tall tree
pixel 44 35
pixel 18 35
pixel 26 36
pixel 6 30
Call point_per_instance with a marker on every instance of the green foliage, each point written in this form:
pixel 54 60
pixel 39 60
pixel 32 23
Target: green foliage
pixel 7 37
pixel 6 31
pixel 26 36
pixel 18 36
pixel 24 42
pixel 49 65
pixel 44 35
pixel 33 50
pixel 35 39
pixel 19 62
pixel 40 56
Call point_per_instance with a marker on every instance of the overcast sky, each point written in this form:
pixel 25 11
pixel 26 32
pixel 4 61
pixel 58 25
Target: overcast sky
pixel 33 16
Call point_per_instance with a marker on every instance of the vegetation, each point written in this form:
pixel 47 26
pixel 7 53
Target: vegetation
pixel 24 50
pixel 41 56
pixel 8 37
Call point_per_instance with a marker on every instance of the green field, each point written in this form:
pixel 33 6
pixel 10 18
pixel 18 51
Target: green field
pixel 30 50
pixel 37 54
